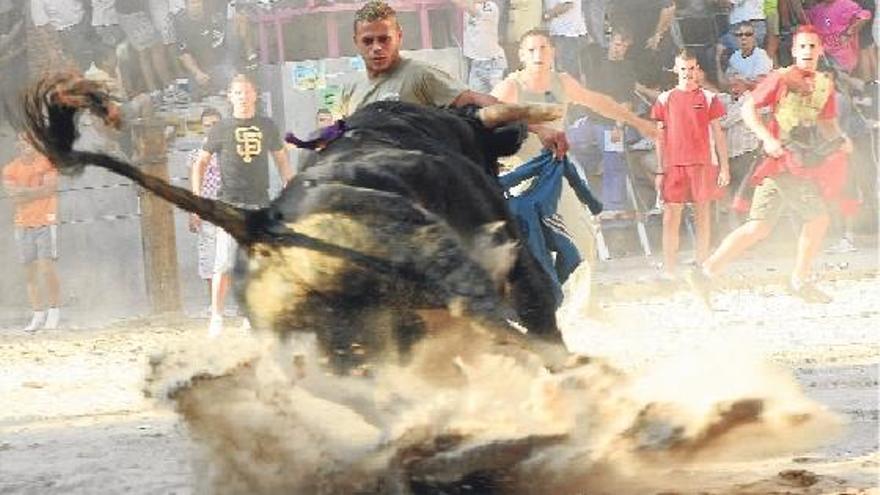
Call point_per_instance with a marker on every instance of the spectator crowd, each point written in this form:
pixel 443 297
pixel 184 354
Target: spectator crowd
pixel 689 65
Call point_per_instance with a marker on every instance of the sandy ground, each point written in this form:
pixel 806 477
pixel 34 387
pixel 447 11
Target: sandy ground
pixel 74 420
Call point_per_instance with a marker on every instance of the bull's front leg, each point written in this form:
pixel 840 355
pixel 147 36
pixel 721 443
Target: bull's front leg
pixel 532 294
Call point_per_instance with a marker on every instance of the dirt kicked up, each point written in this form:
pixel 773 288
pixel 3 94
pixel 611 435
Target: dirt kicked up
pixel 774 397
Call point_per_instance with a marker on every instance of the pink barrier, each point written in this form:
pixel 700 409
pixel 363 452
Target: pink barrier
pixel 280 15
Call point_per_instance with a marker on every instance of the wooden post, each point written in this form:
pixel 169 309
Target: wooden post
pixel 157 220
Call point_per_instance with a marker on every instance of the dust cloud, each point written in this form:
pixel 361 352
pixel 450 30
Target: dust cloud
pixel 466 416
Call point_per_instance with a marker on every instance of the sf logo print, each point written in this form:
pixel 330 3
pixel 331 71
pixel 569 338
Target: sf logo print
pixel 249 142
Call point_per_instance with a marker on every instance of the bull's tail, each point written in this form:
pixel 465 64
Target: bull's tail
pixel 50 109
pixel 230 218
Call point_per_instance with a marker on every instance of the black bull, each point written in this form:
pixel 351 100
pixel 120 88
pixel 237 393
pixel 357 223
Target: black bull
pixel 383 224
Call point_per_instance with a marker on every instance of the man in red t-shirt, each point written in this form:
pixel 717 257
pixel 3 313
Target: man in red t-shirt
pixel 802 100
pixel 691 148
pixel 31 181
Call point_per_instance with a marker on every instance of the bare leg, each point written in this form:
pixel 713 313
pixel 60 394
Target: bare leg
pixel 737 242
pixel 703 220
pixel 671 226
pixel 50 276
pixel 147 70
pixel 868 63
pixel 33 287
pixel 773 48
pixel 219 288
pixel 809 243
pixel 160 63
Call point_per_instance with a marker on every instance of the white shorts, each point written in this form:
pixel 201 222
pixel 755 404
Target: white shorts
pixel 207 250
pixel 224 256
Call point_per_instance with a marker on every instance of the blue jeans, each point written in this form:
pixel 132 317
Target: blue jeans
pixel 611 165
pixel 594 14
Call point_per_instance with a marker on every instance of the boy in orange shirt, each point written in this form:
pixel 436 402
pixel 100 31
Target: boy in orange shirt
pixel 31 181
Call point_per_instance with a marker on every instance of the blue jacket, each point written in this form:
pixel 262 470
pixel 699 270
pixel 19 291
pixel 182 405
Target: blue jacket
pixel 535 211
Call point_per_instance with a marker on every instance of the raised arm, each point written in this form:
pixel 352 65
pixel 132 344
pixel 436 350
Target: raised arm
pixel 664 21
pixel 605 106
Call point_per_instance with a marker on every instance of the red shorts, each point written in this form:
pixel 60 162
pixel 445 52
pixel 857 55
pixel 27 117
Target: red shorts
pixel 691 184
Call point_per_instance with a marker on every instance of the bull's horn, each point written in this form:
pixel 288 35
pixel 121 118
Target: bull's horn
pixel 533 113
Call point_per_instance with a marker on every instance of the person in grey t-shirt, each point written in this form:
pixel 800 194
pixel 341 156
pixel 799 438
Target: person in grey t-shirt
pixel 378 37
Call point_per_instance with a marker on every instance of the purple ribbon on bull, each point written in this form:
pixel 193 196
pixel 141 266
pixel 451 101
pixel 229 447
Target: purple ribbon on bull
pixel 326 135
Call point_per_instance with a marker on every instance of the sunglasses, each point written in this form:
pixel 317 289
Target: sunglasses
pixel 744 35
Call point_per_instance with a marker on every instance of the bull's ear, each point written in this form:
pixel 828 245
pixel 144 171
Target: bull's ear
pixel 505 113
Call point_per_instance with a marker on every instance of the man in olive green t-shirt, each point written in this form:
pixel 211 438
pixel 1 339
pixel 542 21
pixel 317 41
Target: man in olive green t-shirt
pixel 409 80
pixel 378 37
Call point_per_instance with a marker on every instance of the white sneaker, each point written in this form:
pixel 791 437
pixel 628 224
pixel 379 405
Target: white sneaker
pixel 36 321
pixel 215 327
pixel 52 317
pixel 245 325
pixel 844 245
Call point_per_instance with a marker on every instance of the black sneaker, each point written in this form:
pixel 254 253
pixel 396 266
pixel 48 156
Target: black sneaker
pixel 700 284
pixel 809 293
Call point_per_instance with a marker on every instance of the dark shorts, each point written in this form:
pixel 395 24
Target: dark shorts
pixel 109 36
pixel 37 243
pixel 76 44
pixel 139 30
pixel 774 194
